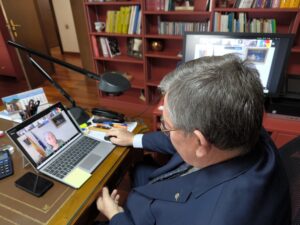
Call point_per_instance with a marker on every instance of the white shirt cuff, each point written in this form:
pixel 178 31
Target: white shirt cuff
pixel 137 141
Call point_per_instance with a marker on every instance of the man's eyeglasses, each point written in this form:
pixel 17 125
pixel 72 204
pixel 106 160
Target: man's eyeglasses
pixel 164 129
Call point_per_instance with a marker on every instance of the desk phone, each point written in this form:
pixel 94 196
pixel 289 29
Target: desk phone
pixel 6 166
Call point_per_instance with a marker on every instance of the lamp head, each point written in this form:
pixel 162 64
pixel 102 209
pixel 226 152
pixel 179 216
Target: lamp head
pixel 113 83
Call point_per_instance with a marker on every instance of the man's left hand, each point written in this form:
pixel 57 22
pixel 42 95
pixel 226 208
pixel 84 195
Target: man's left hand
pixel 107 204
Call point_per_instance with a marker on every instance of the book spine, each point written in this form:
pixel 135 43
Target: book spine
pixel 108 48
pixel 139 28
pixel 294 4
pixel 103 47
pixel 136 18
pixel 131 21
pixel 275 3
pixel 126 20
pixel 284 3
pixel 95 46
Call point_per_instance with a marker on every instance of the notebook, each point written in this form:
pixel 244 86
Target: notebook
pixel 55 146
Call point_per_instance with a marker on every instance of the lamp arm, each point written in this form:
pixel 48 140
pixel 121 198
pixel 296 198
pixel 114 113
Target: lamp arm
pixel 53 82
pixel 57 61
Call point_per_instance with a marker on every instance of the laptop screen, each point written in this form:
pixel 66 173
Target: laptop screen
pixel 44 135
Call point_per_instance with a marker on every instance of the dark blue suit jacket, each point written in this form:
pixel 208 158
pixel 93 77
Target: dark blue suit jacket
pixel 247 190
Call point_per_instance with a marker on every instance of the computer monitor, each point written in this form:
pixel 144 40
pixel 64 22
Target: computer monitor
pixel 268 52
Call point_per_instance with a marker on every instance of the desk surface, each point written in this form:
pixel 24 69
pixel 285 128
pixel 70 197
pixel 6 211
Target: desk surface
pixel 61 204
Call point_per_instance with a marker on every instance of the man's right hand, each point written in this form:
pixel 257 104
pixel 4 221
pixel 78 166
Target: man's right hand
pixel 120 136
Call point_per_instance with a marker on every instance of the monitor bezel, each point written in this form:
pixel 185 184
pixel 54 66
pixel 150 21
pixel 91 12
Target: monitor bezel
pixel 275 83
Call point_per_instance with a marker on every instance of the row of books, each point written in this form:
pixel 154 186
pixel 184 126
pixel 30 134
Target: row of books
pixel 267 3
pixel 173 5
pixel 178 28
pixel 127 20
pixel 228 23
pixel 109 46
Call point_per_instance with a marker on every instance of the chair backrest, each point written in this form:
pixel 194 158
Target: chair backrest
pixel 290 154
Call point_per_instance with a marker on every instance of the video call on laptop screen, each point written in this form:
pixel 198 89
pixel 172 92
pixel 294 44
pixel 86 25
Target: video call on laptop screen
pixel 45 136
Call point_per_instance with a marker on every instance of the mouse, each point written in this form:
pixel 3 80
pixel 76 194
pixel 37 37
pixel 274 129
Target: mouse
pixel 108 137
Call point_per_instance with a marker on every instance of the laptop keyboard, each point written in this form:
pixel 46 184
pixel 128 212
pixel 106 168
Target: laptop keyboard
pixel 71 157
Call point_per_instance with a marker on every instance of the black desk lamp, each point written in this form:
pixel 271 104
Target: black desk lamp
pixel 112 83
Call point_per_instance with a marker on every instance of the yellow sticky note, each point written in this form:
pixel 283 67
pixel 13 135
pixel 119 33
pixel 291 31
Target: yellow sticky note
pixel 77 177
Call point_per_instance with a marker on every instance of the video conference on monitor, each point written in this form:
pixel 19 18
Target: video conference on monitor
pixel 268 52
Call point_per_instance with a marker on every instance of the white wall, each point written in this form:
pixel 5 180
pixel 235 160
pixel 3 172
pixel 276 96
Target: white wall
pixel 66 26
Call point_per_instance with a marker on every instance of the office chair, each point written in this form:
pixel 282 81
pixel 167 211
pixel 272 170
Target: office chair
pixel 290 154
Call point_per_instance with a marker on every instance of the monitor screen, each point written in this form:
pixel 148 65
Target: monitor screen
pixel 268 52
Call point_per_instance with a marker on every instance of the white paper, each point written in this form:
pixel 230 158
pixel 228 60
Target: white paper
pixel 100 135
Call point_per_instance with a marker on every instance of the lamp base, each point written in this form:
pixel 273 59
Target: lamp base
pixel 79 115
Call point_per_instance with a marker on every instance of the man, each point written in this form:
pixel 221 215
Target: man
pixel 212 126
pixel 52 142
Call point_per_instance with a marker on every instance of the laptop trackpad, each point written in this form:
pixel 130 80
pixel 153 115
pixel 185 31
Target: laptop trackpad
pixel 90 162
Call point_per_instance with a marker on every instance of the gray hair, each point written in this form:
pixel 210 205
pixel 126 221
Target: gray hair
pixel 221 96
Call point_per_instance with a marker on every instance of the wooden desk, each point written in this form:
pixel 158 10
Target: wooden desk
pixel 61 204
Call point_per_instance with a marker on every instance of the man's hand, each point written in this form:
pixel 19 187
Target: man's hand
pixel 121 136
pixel 108 204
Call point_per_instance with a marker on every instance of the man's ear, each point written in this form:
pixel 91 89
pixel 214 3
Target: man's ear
pixel 203 145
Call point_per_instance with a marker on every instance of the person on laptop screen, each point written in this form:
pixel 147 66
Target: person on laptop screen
pixel 52 142
pixel 224 170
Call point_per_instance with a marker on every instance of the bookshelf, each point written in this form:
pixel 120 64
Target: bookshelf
pixel 160 22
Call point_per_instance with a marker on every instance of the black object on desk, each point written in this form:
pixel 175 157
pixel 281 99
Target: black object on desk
pixel 6 166
pixel 34 184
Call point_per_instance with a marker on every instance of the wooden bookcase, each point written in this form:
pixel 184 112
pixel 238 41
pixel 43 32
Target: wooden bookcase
pixel 147 72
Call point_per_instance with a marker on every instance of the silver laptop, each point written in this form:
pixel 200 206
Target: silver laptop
pixel 55 146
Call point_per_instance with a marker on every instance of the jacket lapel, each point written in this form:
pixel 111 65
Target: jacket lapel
pixel 179 189
pixel 174 162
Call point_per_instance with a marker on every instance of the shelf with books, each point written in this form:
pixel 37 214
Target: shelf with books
pixel 179 13
pixel 175 24
pixel 115 17
pixel 257 10
pixel 171 5
pixel 115 48
pixel 254 21
pixel 111 3
pixel 258 4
